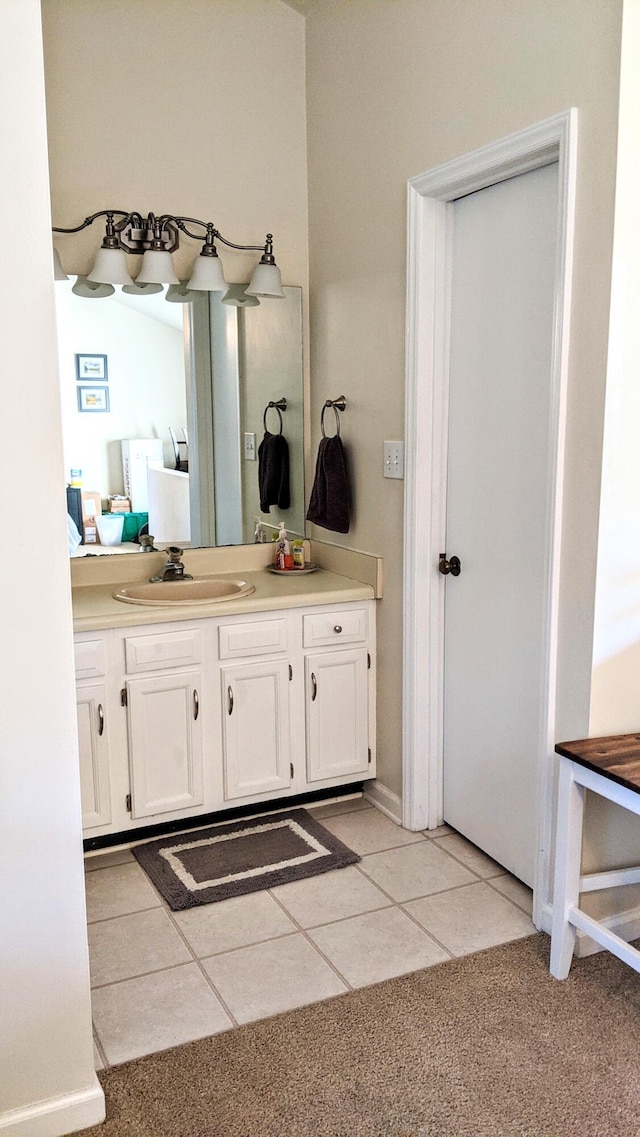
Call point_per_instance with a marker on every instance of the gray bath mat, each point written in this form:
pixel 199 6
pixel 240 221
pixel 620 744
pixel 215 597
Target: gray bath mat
pixel 237 857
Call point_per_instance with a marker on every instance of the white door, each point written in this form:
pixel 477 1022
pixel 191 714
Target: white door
pixel 504 243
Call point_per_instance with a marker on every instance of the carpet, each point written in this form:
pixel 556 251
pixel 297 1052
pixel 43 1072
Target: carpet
pixel 237 857
pixel 485 1046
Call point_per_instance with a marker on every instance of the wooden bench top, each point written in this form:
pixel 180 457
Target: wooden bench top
pixel 616 757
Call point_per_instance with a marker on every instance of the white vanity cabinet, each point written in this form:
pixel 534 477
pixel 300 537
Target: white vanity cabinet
pixel 192 717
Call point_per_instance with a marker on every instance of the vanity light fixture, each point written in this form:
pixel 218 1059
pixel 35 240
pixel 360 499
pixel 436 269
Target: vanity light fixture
pixel 157 238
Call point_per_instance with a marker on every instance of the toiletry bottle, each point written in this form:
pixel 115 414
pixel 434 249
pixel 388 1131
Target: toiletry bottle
pixel 76 477
pixel 297 550
pixel 259 535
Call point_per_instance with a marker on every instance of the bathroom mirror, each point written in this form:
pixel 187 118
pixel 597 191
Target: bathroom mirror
pixel 135 368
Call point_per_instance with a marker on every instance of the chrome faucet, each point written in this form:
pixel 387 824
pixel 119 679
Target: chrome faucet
pixel 174 568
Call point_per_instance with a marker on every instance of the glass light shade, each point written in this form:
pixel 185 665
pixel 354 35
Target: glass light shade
pixel 236 294
pixel 157 268
pixel 85 287
pixel 266 282
pixel 58 271
pixel 110 267
pixel 207 275
pixel 179 294
pixel 137 289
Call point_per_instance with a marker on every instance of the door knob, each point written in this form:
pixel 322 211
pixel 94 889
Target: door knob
pixel 449 566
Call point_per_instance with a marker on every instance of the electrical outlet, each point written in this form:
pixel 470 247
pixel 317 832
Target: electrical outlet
pixel 249 447
pixel 394 459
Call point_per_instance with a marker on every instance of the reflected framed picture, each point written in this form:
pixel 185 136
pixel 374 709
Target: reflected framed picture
pixel 91 369
pixel 93 399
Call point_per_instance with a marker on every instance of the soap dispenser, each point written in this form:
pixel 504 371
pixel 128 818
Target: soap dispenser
pixel 283 557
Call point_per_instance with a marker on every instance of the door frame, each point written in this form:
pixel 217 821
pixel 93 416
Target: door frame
pixel 430 198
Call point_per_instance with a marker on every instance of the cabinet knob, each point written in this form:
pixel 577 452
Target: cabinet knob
pixel 196 705
pixel 100 719
pixel 337 628
pixel 229 700
pixel 314 687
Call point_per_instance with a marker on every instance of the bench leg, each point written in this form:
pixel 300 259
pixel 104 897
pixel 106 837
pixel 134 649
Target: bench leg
pixel 567 869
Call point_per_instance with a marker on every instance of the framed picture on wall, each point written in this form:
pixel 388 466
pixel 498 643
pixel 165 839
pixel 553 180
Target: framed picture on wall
pixel 93 399
pixel 91 368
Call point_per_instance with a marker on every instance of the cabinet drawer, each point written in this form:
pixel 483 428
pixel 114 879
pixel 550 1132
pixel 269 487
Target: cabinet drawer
pixel 90 658
pixel 166 649
pixel 259 637
pixel 335 628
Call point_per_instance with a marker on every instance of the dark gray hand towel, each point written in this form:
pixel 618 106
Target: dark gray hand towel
pixel 329 504
pixel 273 472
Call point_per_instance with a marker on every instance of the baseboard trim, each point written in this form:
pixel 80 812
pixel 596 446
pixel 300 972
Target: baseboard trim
pixel 56 1116
pixel 384 800
pixel 624 924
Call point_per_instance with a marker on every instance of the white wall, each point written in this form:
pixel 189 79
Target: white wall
pixel 194 107
pixel 47 1082
pixel 394 89
pixel 147 391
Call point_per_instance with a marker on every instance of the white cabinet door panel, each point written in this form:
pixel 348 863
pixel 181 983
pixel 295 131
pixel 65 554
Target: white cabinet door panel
pixel 94 756
pixel 256 728
pixel 165 743
pixel 337 734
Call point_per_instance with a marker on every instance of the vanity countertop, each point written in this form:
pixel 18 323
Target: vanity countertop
pixel 94 606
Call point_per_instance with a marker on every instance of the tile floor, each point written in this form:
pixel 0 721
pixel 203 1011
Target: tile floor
pixel 161 978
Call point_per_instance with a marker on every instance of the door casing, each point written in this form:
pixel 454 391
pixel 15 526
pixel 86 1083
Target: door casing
pixel 426 429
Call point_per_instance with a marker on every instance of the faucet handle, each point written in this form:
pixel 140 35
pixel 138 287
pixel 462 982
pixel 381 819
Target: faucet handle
pixel 174 554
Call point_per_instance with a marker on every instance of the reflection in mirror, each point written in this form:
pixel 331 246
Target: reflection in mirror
pixel 202 372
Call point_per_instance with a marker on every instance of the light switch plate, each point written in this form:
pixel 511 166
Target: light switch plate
pixel 250 446
pixel 394 459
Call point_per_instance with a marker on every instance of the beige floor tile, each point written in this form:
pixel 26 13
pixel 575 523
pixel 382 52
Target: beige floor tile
pixel 117 891
pixel 376 946
pixel 153 1012
pixel 107 859
pixel 470 855
pixel 133 945
pixel 242 920
pixel 334 809
pixel 330 896
pixel 263 980
pixel 415 870
pixel 369 831
pixel 515 890
pixel 469 919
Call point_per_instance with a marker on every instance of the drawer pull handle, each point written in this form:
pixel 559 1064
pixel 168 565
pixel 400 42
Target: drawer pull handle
pixel 337 628
pixel 100 719
pixel 314 687
pixel 229 700
pixel 196 705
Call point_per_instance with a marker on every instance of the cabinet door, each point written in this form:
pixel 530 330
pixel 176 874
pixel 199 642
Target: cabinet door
pixel 165 743
pixel 337 730
pixel 94 756
pixel 256 728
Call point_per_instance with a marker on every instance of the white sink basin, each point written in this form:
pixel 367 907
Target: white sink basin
pixel 204 591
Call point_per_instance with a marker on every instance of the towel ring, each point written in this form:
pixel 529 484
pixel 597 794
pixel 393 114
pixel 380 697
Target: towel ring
pixel 280 406
pixel 338 405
